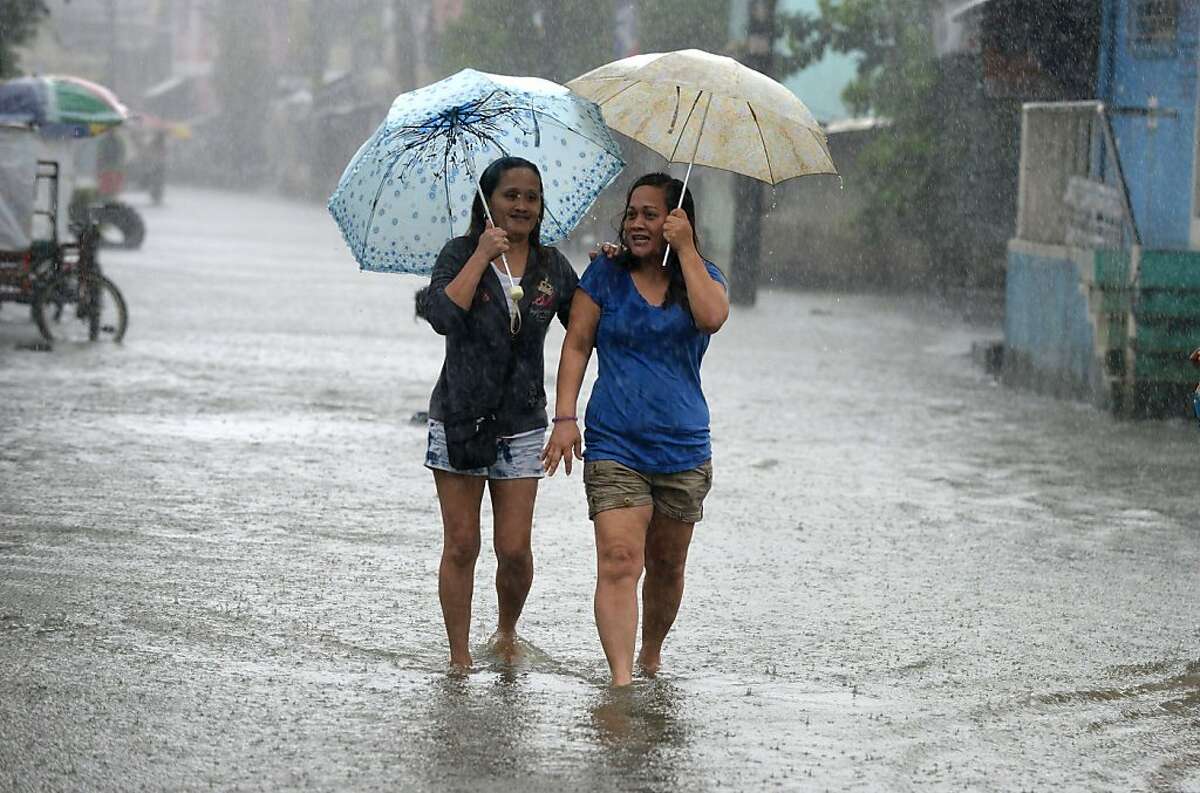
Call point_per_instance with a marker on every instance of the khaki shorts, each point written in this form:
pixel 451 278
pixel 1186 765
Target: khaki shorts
pixel 610 485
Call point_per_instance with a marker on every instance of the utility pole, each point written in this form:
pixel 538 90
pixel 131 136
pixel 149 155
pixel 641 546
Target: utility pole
pixel 759 54
pixel 110 9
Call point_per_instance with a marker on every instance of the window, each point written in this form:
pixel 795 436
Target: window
pixel 1154 25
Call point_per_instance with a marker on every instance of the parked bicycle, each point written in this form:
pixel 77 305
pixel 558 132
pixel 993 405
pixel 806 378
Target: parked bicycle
pixel 78 302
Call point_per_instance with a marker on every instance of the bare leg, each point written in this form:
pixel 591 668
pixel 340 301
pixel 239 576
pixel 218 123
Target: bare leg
pixel 667 544
pixel 620 546
pixel 512 506
pixel 460 497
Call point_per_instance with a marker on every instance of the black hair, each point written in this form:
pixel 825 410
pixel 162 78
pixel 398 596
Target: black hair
pixel 672 188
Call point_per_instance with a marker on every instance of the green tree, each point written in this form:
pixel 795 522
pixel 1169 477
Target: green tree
pixel 941 172
pixel 897 79
pixel 19 20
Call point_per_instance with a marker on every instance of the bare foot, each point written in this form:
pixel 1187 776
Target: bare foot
pixel 505 647
pixel 648 665
pixel 459 669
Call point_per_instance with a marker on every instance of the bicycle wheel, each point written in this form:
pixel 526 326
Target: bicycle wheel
pixel 80 308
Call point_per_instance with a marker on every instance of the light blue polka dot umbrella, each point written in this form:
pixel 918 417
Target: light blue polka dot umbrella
pixel 410 187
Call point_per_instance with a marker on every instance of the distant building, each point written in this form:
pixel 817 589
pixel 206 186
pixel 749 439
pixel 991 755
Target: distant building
pixel 1103 287
pixel 331 70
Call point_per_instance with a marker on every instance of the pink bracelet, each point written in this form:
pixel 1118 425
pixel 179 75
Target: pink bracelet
pixel 557 419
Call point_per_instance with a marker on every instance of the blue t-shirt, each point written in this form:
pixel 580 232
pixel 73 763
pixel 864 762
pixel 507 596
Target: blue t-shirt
pixel 646 411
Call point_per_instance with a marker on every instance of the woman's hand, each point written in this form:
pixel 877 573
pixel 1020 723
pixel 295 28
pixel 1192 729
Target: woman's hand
pixel 609 249
pixel 493 243
pixel 678 231
pixel 565 445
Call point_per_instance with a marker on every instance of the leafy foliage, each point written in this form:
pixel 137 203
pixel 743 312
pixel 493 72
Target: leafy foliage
pixel 944 173
pixel 897 78
pixel 19 20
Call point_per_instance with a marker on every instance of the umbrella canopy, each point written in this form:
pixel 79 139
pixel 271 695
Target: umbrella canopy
pixel 695 107
pixel 60 106
pixel 410 187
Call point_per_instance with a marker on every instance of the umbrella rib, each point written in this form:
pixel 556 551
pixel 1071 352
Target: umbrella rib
pixel 684 128
pixel 618 93
pixel 551 119
pixel 374 207
pixel 557 223
pixel 824 146
pixel 763 138
pixel 446 181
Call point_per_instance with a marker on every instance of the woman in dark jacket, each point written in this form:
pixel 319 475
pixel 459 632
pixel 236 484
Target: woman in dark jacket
pixel 491 386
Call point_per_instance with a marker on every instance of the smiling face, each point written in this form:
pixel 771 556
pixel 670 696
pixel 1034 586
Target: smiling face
pixel 516 203
pixel 642 228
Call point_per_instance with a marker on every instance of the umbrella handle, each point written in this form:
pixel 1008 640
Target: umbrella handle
pixel 688 175
pixel 682 193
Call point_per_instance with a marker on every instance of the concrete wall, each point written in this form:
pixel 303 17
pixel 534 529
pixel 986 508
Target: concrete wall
pixel 1076 327
pixel 814 235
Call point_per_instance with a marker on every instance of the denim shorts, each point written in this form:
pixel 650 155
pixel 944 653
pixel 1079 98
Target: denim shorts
pixel 517 457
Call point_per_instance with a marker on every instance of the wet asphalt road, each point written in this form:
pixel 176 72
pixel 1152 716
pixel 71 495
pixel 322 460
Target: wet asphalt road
pixel 218 556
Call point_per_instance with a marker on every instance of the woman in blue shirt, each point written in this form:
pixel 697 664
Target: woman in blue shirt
pixel 648 462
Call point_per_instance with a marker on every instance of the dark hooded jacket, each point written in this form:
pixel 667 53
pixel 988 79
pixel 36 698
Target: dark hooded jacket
pixel 480 348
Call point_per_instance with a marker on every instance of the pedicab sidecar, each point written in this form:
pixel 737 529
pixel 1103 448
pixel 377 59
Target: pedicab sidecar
pixel 44 263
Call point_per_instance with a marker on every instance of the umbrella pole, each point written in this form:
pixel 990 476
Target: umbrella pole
pixel 688 175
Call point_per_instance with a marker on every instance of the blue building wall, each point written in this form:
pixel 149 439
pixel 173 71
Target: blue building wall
pixel 1073 324
pixel 1157 152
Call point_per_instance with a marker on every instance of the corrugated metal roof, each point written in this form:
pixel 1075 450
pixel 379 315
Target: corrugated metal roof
pixel 861 124
pixel 966 7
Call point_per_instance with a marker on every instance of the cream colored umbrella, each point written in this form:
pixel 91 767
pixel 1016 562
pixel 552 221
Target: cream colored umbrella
pixel 703 109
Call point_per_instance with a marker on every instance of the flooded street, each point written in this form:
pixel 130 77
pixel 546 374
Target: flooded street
pixel 219 550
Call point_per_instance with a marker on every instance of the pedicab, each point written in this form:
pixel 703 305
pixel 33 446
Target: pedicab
pixel 41 119
pixel 40 265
